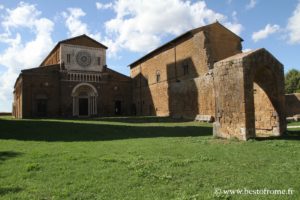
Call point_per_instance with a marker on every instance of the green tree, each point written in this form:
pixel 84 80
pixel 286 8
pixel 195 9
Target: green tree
pixel 292 81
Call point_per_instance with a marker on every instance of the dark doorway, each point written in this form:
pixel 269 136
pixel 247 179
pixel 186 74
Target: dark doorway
pixel 42 107
pixel 118 107
pixel 83 106
pixel 133 109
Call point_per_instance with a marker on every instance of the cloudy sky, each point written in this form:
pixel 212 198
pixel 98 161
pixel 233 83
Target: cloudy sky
pixel 131 28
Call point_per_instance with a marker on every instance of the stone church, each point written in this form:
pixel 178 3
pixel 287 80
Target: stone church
pixel 202 72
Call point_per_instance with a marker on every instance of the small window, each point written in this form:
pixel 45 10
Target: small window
pixel 185 69
pixel 157 76
pixel 68 58
pixel 98 60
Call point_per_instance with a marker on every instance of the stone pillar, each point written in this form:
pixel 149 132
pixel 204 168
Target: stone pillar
pixel 230 100
pixel 75 106
pixel 93 105
pixel 96 111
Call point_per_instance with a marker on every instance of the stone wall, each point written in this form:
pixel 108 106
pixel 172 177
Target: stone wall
pixel 40 83
pixel 18 96
pixel 49 83
pixel 292 104
pixel 265 113
pixel 83 40
pixel 181 92
pixel 72 51
pixel 230 99
pixel 249 90
pixel 112 87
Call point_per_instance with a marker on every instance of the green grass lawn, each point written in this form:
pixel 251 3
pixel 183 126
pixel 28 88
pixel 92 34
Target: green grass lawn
pixel 294 123
pixel 139 158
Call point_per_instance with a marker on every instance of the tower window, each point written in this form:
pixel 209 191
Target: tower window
pixel 157 76
pixel 185 69
pixel 98 60
pixel 68 58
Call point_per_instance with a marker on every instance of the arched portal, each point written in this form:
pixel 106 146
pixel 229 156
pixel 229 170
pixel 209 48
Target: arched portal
pixel 265 104
pixel 84 100
pixel 249 101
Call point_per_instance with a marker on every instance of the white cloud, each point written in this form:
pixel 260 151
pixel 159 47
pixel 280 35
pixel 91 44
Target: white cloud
pixel 234 16
pixel 100 6
pixel 22 16
pixel 264 33
pixel 1 7
pixel 251 4
pixel 293 26
pixel 21 55
pixel 246 50
pixel 234 27
pixel 75 25
pixel 139 26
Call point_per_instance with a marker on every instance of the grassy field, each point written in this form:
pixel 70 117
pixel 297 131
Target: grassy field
pixel 294 124
pixel 139 158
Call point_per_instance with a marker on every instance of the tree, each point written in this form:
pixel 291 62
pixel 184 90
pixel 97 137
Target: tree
pixel 292 81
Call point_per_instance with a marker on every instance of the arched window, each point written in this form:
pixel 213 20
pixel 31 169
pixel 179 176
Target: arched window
pixel 157 76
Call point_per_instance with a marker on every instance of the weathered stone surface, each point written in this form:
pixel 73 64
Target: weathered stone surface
pixel 200 75
pixel 180 93
pixel 53 85
pixel 249 90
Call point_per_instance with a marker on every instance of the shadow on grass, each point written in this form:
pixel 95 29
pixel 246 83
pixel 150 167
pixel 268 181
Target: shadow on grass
pixel 7 190
pixel 144 119
pixel 36 130
pixel 5 155
pixel 133 119
pixel 289 135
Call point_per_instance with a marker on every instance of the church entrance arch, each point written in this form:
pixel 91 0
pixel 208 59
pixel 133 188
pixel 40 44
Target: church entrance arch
pixel 84 100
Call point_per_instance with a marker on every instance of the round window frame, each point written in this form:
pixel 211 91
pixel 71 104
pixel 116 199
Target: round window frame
pixel 82 54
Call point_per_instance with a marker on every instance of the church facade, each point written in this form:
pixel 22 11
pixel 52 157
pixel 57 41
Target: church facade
pixel 202 72
pixel 73 80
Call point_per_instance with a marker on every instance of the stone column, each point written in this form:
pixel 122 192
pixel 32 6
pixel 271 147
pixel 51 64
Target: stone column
pixel 76 106
pixel 92 109
pixel 73 106
pixel 96 105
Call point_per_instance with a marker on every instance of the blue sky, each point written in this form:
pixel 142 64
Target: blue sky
pixel 131 28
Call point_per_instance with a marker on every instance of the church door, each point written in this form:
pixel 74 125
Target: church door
pixel 118 108
pixel 83 106
pixel 42 107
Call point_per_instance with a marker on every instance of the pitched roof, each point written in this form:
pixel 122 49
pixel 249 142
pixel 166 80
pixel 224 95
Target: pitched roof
pixel 83 35
pixel 70 39
pixel 190 32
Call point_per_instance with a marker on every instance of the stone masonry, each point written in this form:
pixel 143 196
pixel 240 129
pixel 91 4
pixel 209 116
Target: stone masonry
pixel 201 74
pixel 250 101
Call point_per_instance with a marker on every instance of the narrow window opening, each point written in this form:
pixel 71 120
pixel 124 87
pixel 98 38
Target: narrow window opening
pixel 68 58
pixel 157 76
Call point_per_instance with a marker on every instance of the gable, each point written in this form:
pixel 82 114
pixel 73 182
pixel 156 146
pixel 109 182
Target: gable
pixel 114 75
pixel 219 29
pixel 216 28
pixel 83 40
